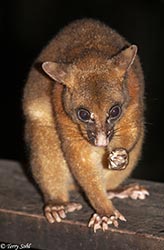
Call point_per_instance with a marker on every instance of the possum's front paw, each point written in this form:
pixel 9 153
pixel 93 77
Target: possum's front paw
pixel 118 159
pixel 55 213
pixel 102 222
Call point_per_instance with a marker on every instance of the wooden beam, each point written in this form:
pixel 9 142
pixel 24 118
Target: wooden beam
pixel 22 220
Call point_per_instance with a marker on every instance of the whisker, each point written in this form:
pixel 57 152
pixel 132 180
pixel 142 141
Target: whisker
pixel 118 130
pixel 117 135
pixel 123 129
pixel 148 123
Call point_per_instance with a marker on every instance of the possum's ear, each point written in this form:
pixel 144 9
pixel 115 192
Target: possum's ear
pixel 123 61
pixel 56 71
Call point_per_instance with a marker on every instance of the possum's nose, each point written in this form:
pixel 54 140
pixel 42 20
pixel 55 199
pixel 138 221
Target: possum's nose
pixel 101 140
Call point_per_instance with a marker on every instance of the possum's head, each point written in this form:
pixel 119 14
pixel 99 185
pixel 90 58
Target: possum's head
pixel 95 94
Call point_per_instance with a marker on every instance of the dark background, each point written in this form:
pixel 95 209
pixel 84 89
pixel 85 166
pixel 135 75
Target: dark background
pixel 27 25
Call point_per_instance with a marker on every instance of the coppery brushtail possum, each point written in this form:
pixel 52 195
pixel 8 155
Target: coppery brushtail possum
pixel 84 111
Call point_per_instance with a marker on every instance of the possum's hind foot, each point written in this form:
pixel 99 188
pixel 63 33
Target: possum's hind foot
pixel 133 191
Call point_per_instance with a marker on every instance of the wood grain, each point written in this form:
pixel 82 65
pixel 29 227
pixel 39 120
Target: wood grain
pixel 22 220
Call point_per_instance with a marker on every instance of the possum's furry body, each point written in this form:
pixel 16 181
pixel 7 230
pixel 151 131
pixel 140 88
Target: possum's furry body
pixel 89 105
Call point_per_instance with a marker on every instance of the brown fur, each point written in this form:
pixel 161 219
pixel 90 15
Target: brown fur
pixel 89 70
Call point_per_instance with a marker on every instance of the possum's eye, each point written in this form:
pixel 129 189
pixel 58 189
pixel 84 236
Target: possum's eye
pixel 115 112
pixel 84 115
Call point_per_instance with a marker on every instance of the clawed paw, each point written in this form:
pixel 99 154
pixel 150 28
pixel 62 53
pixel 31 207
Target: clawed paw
pixel 55 213
pixel 118 159
pixel 137 192
pixel 133 191
pixel 102 222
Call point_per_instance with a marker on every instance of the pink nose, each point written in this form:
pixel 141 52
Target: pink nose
pixel 101 140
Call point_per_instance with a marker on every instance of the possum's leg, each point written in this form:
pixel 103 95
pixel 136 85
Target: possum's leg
pixel 50 171
pixel 84 163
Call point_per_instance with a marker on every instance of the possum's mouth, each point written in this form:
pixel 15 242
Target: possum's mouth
pixel 101 139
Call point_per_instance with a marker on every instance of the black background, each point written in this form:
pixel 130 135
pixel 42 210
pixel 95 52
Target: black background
pixel 26 26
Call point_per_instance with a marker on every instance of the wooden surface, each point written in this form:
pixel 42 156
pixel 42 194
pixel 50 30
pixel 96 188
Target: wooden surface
pixel 22 220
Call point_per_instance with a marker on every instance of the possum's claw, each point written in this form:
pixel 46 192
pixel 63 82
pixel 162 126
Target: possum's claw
pixel 55 213
pixel 102 222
